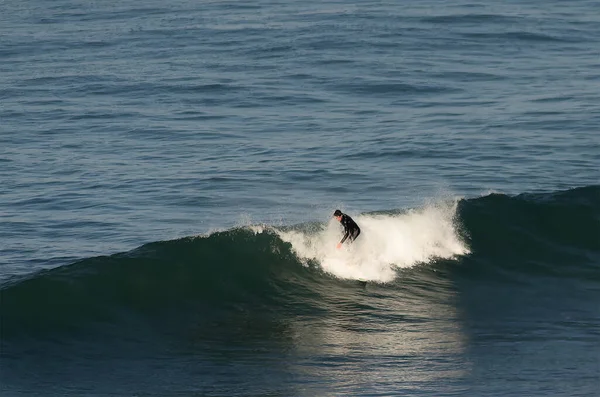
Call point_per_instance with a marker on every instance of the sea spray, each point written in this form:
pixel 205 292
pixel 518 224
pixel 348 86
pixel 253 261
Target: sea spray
pixel 387 242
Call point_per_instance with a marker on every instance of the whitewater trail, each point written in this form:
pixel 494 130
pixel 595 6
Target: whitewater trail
pixel 387 242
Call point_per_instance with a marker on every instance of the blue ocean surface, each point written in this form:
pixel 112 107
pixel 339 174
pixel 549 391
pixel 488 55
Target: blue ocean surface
pixel 168 173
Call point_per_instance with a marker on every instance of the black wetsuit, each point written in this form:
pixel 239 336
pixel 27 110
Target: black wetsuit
pixel 351 229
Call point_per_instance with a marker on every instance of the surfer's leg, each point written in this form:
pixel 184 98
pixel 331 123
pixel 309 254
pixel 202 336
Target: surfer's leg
pixel 354 234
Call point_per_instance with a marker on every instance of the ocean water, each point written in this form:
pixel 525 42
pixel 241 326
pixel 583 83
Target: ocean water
pixel 169 170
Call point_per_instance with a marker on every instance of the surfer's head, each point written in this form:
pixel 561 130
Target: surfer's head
pixel 337 214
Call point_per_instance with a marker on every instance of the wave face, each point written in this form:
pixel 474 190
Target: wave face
pixel 293 269
pixel 216 271
pixel 551 234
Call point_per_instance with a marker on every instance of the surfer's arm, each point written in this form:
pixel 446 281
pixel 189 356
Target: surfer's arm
pixel 346 234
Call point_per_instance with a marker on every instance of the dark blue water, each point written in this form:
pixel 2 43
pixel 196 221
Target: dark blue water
pixel 169 169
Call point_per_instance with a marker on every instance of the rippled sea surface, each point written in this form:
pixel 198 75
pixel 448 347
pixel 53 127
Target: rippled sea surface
pixel 141 143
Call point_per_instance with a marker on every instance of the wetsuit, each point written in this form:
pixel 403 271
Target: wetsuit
pixel 351 229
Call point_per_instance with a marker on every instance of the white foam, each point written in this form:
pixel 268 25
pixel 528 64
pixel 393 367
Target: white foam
pixel 386 243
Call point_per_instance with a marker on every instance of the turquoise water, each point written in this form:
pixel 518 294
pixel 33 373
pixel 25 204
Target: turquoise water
pixel 169 171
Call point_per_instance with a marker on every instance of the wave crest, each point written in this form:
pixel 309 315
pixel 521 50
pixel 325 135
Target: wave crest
pixel 387 242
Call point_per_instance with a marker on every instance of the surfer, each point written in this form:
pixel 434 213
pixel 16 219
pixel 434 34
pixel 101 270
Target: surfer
pixel 351 229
